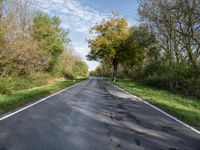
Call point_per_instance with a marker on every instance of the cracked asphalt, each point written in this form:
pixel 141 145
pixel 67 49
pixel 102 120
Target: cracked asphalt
pixel 94 115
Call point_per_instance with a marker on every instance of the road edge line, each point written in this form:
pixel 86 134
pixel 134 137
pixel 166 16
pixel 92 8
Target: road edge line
pixel 35 103
pixel 170 116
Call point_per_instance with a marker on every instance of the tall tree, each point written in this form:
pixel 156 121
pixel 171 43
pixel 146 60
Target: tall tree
pixel 110 35
pixel 176 24
pixel 50 35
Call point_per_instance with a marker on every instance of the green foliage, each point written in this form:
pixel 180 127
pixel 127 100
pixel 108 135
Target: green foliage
pixel 176 78
pixel 138 46
pixel 80 69
pixel 12 83
pixel 50 35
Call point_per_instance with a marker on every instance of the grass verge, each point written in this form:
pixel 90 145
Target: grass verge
pixel 185 108
pixel 19 98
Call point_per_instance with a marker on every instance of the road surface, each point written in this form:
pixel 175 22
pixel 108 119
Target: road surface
pixel 94 115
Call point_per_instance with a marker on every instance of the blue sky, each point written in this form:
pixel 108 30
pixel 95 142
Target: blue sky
pixel 80 15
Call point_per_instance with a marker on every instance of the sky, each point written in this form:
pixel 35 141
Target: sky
pixel 80 15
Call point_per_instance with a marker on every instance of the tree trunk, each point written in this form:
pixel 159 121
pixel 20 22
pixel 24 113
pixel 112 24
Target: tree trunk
pixel 115 67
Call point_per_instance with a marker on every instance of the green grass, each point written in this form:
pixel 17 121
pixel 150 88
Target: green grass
pixel 185 108
pixel 19 98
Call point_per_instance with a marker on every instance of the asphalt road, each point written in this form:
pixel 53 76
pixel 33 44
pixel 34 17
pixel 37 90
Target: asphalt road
pixel 94 115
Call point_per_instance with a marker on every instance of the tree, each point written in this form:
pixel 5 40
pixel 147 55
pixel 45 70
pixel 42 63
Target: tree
pixel 110 35
pixel 176 25
pixel 50 35
pixel 139 45
pixel 20 54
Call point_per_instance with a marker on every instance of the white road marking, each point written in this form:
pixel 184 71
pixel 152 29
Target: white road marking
pixel 43 99
pixel 172 117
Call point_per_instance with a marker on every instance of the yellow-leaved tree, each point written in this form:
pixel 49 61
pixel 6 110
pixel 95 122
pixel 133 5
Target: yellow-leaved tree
pixel 106 45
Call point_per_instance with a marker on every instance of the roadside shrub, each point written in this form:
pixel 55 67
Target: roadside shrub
pixel 178 78
pixel 12 83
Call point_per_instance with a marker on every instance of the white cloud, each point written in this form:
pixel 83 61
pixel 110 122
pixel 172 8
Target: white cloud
pixel 80 17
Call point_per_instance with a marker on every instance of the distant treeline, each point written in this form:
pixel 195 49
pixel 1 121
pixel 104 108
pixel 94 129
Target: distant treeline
pixel 163 51
pixel 33 46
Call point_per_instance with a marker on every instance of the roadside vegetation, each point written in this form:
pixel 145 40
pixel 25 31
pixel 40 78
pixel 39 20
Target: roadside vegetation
pixel 35 53
pixel 34 48
pixel 160 57
pixel 162 51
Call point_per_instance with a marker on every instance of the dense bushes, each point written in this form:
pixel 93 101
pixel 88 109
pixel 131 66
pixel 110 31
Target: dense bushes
pixel 175 78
